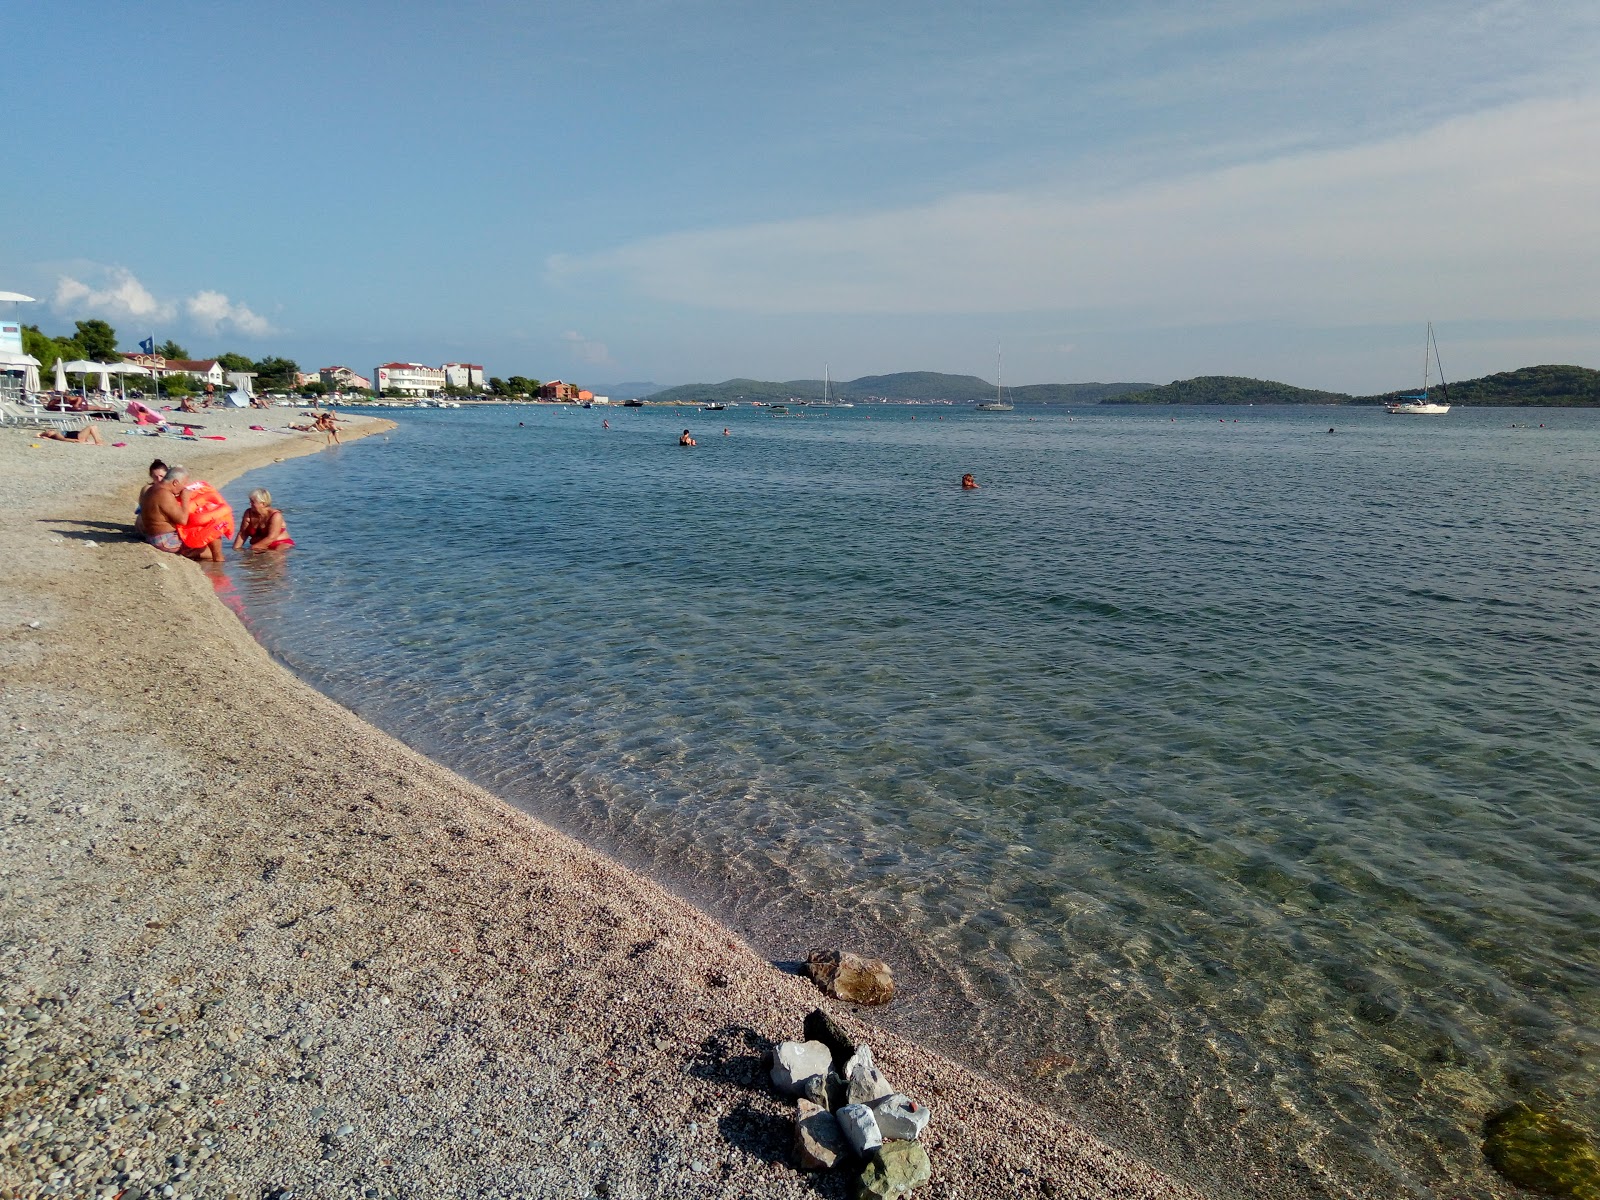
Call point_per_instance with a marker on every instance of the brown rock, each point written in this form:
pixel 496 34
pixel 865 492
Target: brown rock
pixel 851 978
pixel 818 1141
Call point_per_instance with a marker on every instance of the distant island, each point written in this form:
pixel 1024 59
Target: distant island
pixel 1545 386
pixel 1527 387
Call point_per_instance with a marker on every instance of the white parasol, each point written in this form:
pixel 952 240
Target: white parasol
pixel 61 375
pixel 15 298
pixel 124 369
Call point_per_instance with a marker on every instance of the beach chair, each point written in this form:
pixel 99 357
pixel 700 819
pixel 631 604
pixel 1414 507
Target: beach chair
pixel 31 416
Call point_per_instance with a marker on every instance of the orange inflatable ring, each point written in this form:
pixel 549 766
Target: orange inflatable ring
pixel 210 520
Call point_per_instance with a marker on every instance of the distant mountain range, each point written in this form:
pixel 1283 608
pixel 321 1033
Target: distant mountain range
pixel 1526 387
pixel 907 385
pixel 1557 386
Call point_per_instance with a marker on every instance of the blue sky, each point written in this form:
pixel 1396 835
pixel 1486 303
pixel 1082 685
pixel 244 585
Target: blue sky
pixel 689 191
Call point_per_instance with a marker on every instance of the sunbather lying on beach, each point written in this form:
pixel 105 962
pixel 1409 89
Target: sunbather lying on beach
pixel 87 436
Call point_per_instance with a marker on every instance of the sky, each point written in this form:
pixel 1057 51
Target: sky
pixel 694 190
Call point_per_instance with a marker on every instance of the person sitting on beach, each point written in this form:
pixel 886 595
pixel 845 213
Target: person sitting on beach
pixel 87 436
pixel 262 525
pixel 161 510
pixel 967 481
pixel 685 440
pixel 187 405
pixel 158 472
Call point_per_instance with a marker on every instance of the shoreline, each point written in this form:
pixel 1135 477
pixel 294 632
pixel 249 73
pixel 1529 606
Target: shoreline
pixel 252 934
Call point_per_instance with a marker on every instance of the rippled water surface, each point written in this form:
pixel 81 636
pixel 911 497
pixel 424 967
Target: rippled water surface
pixel 1224 782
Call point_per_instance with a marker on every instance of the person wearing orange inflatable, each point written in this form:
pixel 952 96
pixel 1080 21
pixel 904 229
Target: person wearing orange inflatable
pixel 261 526
pixel 207 519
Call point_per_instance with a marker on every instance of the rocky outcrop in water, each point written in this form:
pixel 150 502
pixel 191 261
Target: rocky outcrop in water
pixel 851 978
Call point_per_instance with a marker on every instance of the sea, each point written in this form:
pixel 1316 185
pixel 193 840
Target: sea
pixel 1225 779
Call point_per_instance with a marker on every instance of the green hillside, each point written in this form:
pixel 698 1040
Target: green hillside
pixel 1229 389
pixel 906 385
pixel 1526 387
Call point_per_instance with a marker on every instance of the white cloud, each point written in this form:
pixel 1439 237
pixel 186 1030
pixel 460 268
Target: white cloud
pixel 1489 215
pixel 209 310
pixel 118 294
pixel 586 350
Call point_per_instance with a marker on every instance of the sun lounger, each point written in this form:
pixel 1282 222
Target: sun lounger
pixel 31 416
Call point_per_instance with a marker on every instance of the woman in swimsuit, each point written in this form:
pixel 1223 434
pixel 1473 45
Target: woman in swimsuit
pixel 262 525
pixel 87 436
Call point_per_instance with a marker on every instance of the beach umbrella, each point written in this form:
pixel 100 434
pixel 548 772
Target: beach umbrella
pixel 61 375
pixel 15 298
pixel 123 370
pixel 30 379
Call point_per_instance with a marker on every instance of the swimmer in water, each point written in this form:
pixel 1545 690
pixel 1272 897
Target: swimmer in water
pixel 605 424
pixel 685 440
pixel 967 481
pixel 724 431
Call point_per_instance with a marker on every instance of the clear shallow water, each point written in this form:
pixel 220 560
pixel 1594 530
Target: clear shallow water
pixel 1226 783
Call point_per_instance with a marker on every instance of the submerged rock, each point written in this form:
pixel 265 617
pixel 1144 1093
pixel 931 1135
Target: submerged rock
pixel 793 1063
pixel 820 1027
pixel 893 1170
pixel 819 1143
pixel 1537 1150
pixel 860 1128
pixel 851 978
pixel 864 1083
pixel 900 1118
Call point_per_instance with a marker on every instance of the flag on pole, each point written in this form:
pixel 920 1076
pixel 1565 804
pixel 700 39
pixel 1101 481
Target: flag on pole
pixel 149 344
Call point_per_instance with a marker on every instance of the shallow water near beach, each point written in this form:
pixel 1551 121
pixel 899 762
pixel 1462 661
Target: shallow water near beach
pixel 1225 783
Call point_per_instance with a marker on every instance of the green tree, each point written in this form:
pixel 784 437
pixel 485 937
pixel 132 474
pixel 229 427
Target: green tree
pixel 43 347
pixel 236 362
pixel 519 385
pixel 316 388
pixel 274 374
pixel 178 385
pixel 171 349
pixel 497 386
pixel 99 341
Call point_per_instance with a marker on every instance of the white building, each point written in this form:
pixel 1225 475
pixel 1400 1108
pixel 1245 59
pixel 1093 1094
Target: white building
pixel 412 379
pixel 206 370
pixel 467 376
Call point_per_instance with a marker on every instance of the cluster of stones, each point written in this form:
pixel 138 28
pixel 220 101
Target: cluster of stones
pixel 848 1114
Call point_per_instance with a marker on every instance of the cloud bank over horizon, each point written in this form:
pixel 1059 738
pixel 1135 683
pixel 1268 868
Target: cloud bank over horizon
pixel 1461 221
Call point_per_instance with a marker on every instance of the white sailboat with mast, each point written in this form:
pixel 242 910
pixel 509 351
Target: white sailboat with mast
pixel 999 403
pixel 1419 404
pixel 827 400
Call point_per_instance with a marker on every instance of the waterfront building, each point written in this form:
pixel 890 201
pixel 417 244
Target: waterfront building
pixel 343 379
pixel 413 379
pixel 557 390
pixel 467 376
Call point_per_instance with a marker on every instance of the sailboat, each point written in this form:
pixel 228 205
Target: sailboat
pixel 1419 404
pixel 827 400
pixel 999 403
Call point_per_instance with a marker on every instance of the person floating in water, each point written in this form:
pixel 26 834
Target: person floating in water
pixel 967 481
pixel 685 440
pixel 725 431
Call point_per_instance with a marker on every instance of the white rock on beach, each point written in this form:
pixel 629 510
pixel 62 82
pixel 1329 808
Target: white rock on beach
pixel 795 1062
pixel 900 1118
pixel 863 1081
pixel 860 1128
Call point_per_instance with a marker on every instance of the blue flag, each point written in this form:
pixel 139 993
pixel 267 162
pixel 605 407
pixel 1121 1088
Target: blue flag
pixel 149 344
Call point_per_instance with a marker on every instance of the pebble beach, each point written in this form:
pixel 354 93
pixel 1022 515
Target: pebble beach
pixel 254 947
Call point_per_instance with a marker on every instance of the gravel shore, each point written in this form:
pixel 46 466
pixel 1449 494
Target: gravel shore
pixel 254 947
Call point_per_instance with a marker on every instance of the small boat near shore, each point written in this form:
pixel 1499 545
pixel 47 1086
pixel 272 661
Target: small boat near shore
pixel 1419 405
